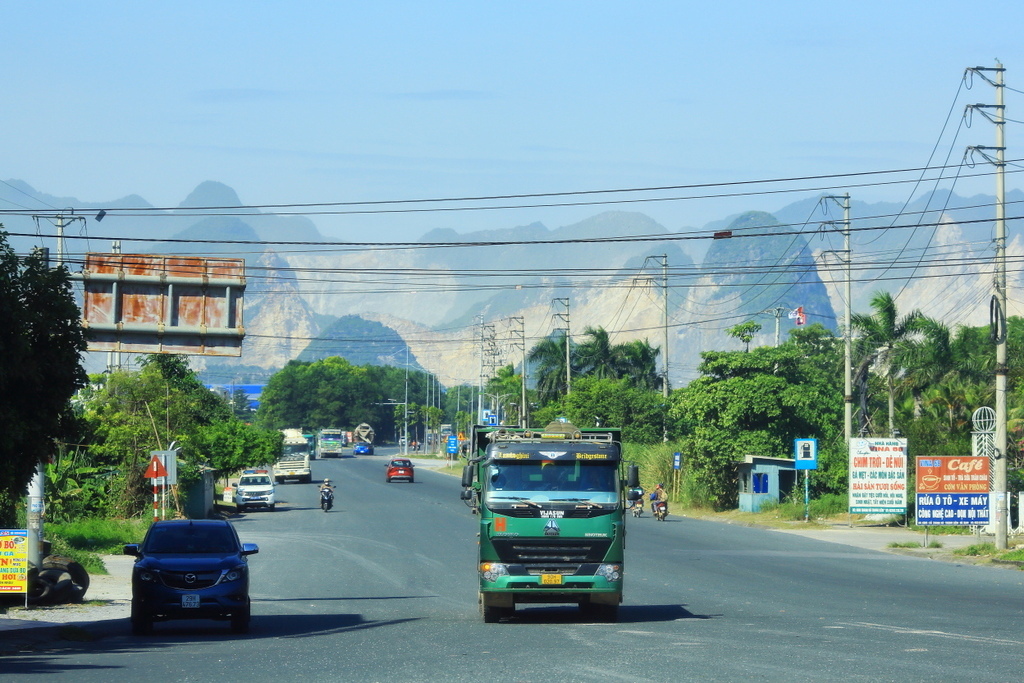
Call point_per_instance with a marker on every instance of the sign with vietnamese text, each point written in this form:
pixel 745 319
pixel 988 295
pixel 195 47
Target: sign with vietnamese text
pixel 13 560
pixel 957 474
pixel 952 491
pixel 878 476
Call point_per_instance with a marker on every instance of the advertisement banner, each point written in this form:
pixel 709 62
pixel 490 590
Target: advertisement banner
pixel 878 476
pixel 952 491
pixel 952 474
pixel 13 560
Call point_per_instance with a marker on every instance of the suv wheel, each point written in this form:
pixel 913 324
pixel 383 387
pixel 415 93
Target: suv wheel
pixel 240 619
pixel 142 623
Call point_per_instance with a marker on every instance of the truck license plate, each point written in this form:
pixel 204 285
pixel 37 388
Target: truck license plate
pixel 551 579
pixel 190 600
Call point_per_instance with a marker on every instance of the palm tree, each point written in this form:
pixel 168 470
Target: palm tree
pixel 882 332
pixel 548 359
pixel 637 361
pixel 596 357
pixel 927 361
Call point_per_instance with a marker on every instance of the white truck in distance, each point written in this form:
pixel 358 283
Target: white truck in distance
pixel 294 460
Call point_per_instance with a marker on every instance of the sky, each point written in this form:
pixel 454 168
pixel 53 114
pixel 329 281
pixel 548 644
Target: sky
pixel 325 102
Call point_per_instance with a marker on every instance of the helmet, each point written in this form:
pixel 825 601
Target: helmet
pixel 661 486
pixel 327 481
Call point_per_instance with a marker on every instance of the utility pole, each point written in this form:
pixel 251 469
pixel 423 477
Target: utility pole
pixel 565 318
pixel 664 325
pixel 847 317
pixel 998 323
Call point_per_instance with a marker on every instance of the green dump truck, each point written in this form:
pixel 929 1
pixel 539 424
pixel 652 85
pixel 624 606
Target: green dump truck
pixel 551 504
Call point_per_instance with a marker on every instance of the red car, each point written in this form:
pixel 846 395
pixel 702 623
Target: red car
pixel 399 468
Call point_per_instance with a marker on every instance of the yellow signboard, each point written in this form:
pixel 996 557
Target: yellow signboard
pixel 13 561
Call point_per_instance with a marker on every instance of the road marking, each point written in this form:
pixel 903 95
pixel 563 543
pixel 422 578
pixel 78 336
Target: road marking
pixel 937 634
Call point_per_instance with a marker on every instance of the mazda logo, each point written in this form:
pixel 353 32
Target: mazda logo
pixel 190 578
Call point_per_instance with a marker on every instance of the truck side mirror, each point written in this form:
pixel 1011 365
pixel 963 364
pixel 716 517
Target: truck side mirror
pixel 466 494
pixel 467 476
pixel 633 477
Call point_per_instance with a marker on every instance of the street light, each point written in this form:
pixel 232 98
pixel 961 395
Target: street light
pixel 497 403
pixel 405 422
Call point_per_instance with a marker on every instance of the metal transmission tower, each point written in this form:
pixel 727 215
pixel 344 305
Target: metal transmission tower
pixel 564 317
pixel 998 302
pixel 519 340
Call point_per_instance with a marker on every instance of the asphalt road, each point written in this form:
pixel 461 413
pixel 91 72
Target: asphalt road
pixel 383 588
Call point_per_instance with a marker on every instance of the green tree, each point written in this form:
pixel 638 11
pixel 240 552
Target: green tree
pixel 596 357
pixel 637 363
pixel 129 414
pixel 548 359
pixel 606 402
pixel 745 332
pixel 883 332
pixel 757 402
pixel 41 340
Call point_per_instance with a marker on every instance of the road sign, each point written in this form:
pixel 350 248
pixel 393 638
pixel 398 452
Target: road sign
pixel 677 461
pixel 453 443
pixel 805 454
pixel 155 469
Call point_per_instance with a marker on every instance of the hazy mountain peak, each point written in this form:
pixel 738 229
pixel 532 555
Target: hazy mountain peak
pixel 211 193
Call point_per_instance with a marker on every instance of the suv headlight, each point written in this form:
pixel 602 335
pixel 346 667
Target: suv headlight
pixel 234 574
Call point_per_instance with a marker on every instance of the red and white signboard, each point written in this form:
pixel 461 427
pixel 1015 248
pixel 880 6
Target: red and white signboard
pixel 144 303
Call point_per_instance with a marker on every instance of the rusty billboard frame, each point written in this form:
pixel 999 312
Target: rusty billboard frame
pixel 149 303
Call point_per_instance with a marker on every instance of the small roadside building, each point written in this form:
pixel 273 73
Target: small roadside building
pixel 764 479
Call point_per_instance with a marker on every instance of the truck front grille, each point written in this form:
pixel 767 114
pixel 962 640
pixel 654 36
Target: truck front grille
pixel 543 552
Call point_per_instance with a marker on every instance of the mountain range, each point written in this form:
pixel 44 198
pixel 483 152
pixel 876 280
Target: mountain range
pixel 454 302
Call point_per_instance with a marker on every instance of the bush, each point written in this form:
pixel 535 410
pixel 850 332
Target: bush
pixel 85 540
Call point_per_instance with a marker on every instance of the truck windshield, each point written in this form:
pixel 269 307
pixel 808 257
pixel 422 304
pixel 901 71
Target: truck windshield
pixel 294 449
pixel 552 481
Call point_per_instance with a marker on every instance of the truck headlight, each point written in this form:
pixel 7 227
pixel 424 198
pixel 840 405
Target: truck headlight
pixel 492 570
pixel 611 572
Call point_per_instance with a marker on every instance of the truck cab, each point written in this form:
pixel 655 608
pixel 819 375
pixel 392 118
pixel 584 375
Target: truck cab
pixel 551 508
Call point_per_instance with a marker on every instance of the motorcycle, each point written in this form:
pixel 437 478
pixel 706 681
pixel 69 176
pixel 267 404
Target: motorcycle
pixel 637 506
pixel 326 499
pixel 660 509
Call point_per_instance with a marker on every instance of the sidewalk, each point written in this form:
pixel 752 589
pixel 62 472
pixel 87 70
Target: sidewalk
pixel 20 627
pixel 882 537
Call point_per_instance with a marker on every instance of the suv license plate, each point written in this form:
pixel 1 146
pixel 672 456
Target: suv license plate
pixel 551 579
pixel 190 600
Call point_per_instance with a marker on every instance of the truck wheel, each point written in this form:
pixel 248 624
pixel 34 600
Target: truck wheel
pixel 492 614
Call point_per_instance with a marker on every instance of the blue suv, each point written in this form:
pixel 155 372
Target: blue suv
pixel 190 569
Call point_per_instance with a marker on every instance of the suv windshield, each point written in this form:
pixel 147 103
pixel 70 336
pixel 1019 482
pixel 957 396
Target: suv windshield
pixel 552 481
pixel 190 539
pixel 262 480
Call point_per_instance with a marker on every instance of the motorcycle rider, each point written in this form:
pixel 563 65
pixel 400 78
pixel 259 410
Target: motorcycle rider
pixel 326 502
pixel 659 498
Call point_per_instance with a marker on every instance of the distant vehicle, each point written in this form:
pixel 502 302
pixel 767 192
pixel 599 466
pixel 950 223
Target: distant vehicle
pixel 362 434
pixel 399 468
pixel 294 460
pixel 190 569
pixel 362 448
pixel 330 443
pixel 255 489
